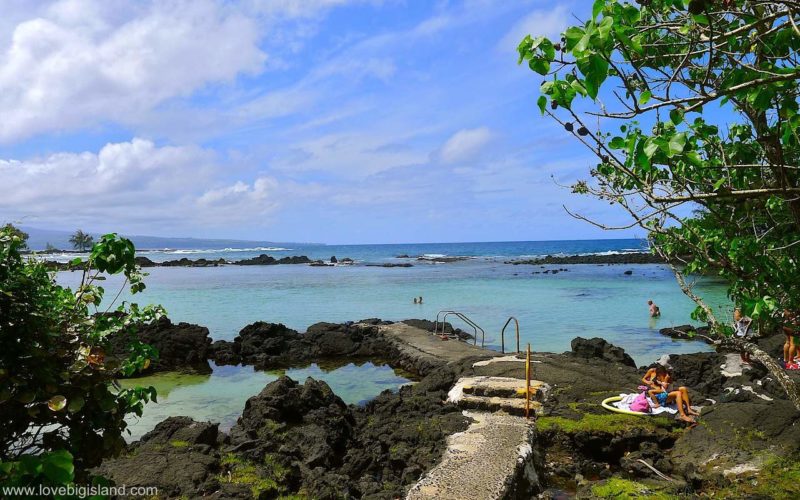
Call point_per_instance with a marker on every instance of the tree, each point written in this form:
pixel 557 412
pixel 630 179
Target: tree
pixel 704 95
pixel 81 241
pixel 22 235
pixel 61 410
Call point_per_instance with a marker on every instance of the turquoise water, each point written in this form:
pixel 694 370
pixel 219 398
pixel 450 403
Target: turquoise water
pixel 220 396
pixel 586 300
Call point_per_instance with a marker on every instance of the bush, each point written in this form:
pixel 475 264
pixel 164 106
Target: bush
pixel 61 410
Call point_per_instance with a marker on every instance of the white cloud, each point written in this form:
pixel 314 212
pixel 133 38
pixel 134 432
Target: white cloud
pixel 80 63
pixel 130 183
pixel 549 23
pixel 464 144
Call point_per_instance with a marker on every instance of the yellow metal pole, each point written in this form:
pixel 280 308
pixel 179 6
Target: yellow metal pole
pixel 528 383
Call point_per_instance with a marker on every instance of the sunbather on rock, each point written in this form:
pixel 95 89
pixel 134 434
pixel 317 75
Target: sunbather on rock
pixel 659 380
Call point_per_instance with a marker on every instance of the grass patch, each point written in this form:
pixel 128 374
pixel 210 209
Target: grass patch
pixel 179 444
pixel 623 488
pixel 260 480
pixel 610 423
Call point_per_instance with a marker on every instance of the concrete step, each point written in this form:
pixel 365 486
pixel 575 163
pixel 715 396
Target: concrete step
pixel 497 394
pixel 501 387
pixel 511 406
pixel 536 394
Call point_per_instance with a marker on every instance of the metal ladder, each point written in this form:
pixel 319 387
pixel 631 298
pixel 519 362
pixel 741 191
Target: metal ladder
pixel 476 328
pixel 463 318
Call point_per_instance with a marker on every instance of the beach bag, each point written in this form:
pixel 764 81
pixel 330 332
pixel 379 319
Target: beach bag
pixel 640 404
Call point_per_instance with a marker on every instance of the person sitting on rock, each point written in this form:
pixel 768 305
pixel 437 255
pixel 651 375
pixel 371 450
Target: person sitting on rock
pixel 655 312
pixel 741 328
pixel 659 380
pixel 790 346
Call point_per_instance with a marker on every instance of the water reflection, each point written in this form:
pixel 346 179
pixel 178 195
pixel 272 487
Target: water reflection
pixel 220 396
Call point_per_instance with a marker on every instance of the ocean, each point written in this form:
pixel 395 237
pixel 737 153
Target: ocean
pixel 552 309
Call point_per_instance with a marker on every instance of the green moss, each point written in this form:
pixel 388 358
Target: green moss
pixel 623 488
pixel 279 471
pixel 259 479
pixel 611 423
pixel 179 444
pixel 777 478
pixel 270 428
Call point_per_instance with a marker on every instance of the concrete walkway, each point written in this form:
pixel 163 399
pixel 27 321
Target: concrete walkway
pixel 491 459
pixel 418 343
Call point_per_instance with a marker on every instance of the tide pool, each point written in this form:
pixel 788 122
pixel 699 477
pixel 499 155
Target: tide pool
pixel 221 396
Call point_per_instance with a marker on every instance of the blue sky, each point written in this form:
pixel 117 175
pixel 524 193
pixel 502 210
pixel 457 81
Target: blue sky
pixel 340 121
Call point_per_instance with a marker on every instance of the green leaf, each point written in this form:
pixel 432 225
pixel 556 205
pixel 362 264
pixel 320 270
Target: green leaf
pixel 542 103
pixel 573 35
pixel 57 403
pixel 58 467
pixel 76 404
pixel 650 148
pixel 617 143
pixel 644 97
pixel 676 116
pixel 676 143
pixel 595 69
pixel 597 8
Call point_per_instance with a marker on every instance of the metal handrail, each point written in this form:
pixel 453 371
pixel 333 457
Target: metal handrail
pixel 444 324
pixel 450 311
pixel 465 319
pixel 503 334
pixel 471 323
pixel 436 323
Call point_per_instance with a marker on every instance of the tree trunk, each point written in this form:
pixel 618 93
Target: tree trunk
pixel 772 366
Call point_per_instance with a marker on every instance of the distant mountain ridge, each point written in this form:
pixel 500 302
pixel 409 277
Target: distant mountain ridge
pixel 39 238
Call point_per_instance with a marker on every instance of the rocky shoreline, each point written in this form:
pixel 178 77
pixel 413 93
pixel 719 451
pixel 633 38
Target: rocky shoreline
pixel 617 258
pixel 301 439
pixel 261 260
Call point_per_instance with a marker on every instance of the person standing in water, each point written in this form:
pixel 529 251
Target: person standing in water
pixel 420 299
pixel 415 300
pixel 655 312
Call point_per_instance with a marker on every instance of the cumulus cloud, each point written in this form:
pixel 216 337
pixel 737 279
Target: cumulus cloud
pixel 464 145
pixel 82 62
pixel 135 181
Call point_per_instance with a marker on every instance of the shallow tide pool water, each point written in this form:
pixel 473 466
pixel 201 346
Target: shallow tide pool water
pixel 221 396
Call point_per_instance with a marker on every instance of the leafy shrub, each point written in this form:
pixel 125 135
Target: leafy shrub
pixel 61 410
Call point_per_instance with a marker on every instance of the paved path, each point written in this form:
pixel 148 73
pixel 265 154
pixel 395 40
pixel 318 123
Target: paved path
pixel 423 344
pixel 487 461
pixel 492 458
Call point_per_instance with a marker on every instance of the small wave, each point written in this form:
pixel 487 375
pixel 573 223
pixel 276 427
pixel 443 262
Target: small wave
pixel 433 255
pixel 212 250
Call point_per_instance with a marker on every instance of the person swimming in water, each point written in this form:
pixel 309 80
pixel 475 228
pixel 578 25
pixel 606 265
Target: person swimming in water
pixel 655 312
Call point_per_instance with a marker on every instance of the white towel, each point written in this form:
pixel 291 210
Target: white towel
pixel 627 399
